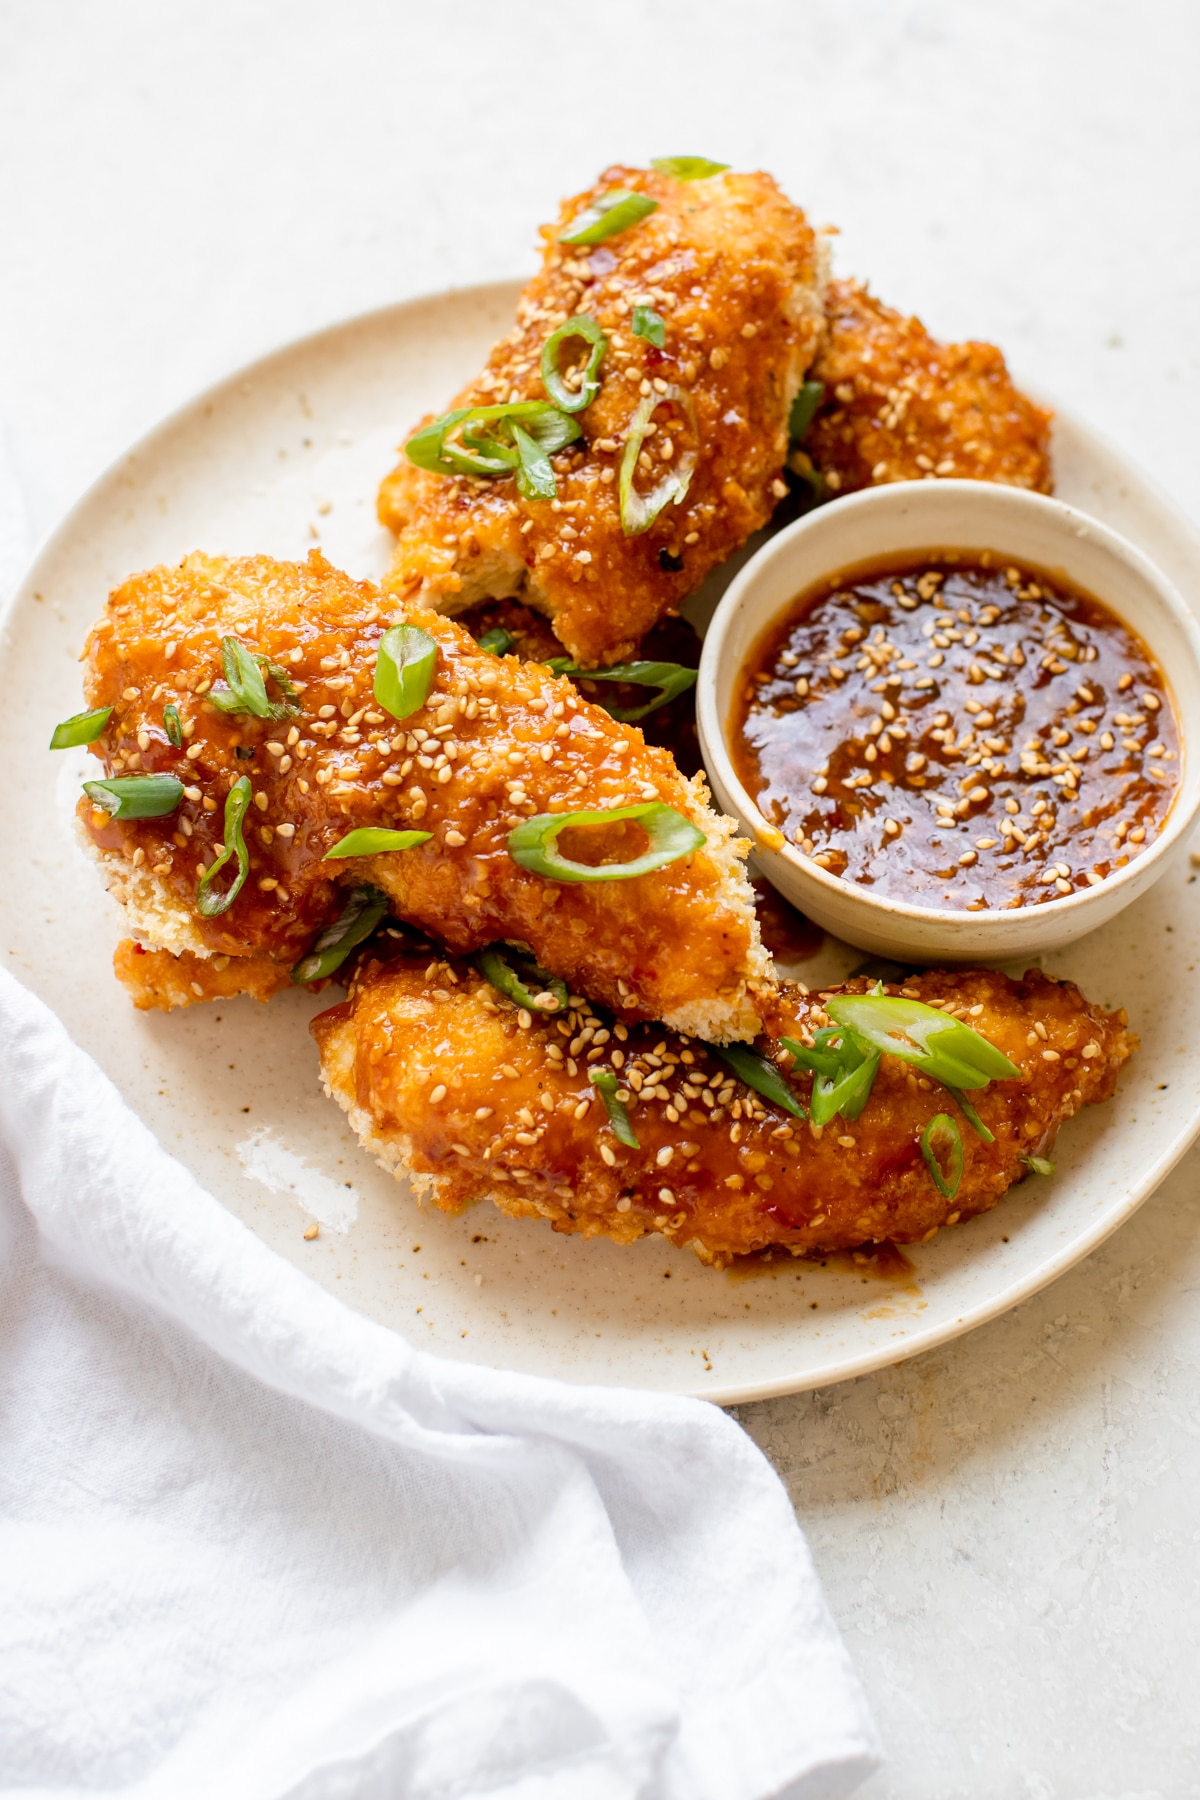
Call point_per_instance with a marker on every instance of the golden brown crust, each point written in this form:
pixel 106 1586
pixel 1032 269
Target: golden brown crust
pixel 442 1077
pixel 737 274
pixel 155 979
pixel 900 406
pixel 496 742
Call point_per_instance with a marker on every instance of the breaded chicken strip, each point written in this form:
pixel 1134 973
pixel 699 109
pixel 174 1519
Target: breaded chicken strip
pixel 899 406
pixel 443 1080
pixel 671 726
pixel 494 743
pixel 734 276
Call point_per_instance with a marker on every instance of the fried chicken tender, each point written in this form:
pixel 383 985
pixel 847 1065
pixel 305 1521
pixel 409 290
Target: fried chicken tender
pixel 737 276
pixel 444 1082
pixel 496 742
pixel 899 406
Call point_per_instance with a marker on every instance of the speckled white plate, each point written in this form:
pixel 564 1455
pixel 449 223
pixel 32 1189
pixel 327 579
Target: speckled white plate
pixel 286 455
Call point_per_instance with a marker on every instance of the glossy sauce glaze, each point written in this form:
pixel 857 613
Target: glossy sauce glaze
pixel 955 731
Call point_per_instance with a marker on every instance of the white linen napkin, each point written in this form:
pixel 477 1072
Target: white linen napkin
pixel 254 1545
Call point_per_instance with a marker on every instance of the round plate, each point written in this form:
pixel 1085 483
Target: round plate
pixel 288 455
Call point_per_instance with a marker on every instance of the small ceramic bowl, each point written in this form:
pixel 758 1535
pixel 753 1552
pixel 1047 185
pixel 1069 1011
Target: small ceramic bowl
pixel 1017 527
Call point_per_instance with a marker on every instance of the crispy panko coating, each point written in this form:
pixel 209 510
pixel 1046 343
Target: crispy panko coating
pixel 157 981
pixel 737 275
pixel 899 406
pixel 496 742
pixel 442 1079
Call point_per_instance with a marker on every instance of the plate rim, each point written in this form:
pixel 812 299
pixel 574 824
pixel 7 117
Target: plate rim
pixel 501 292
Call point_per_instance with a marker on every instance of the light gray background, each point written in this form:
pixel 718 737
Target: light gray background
pixel 1008 1529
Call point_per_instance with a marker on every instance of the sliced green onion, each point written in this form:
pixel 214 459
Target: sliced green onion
pixel 424 447
pixel 760 1074
pixel 81 728
pixel 572 400
pixel 944 1049
pixel 820 1060
pixel 1038 1164
pixel 489 445
pixel 534 845
pixel 372 840
pixel 173 727
pixel 136 796
pixel 497 641
pixel 639 511
pixel 535 477
pixel 843 1071
pixel 671 679
pixel 495 964
pixel 687 168
pixel 804 408
pixel 850 1089
pixel 210 903
pixel 606 1083
pixel 552 430
pixel 245 688
pixel 942 1138
pixel 969 1114
pixel 606 216
pixel 361 914
pixel 404 669
pixel 649 325
pixel 247 691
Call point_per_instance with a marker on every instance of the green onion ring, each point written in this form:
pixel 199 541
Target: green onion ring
pixel 944 1049
pixel 804 408
pixel 649 325
pixel 639 511
pixel 672 679
pixel 173 726
pixel 565 398
pixel 136 796
pixel 606 216
pixel 211 904
pixel 687 168
pixel 404 669
pixel 497 641
pixel 759 1073
pixel 495 966
pixel 606 1083
pixel 1038 1165
pixel 534 844
pixel 942 1135
pixel 373 840
pixel 361 914
pixel 81 728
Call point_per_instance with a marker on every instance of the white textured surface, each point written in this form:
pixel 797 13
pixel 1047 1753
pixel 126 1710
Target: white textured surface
pixel 1007 1528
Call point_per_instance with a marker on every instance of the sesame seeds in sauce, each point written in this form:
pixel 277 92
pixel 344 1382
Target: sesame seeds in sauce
pixel 959 732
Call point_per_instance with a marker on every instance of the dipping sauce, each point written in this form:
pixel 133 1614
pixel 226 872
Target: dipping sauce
pixel 958 732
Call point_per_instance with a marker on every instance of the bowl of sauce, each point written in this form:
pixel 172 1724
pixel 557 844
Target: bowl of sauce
pixel 954 718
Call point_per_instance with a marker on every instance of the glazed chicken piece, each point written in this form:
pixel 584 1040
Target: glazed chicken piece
pixel 734 275
pixel 446 1082
pixel 899 406
pixel 671 726
pixel 495 743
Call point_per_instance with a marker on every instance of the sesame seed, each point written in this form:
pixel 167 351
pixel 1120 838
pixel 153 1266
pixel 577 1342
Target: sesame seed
pixel 437 1094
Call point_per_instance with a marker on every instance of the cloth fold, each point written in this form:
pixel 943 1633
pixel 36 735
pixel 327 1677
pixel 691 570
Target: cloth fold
pixel 254 1544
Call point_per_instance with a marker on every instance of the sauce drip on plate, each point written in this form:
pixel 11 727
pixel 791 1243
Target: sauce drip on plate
pixel 958 732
